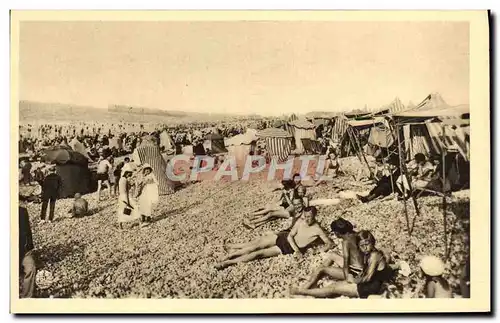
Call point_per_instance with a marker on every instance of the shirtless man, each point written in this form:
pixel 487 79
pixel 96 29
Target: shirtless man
pixel 103 169
pixel 294 241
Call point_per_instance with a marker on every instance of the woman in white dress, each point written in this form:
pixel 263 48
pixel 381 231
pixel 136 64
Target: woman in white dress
pixel 127 208
pixel 148 194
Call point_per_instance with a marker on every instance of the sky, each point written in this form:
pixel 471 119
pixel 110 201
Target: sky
pixel 267 68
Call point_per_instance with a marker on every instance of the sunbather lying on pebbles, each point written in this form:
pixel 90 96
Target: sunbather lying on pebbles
pixel 299 200
pixel 304 232
pixel 284 200
pixel 277 209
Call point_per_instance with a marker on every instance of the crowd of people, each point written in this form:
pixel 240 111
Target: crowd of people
pixel 361 270
pixel 97 137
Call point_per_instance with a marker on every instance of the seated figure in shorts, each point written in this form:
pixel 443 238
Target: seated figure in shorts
pixel 351 261
pixel 374 274
pixel 421 176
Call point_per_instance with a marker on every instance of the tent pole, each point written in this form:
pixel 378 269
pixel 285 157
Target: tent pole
pixel 390 172
pixel 360 150
pixel 446 251
pixel 403 173
pixel 364 158
pixel 388 154
pixel 352 143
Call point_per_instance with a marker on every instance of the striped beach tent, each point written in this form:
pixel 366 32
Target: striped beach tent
pixel 302 129
pixel 311 146
pixel 340 126
pixel 396 106
pixel 423 127
pixel 149 152
pixel 278 143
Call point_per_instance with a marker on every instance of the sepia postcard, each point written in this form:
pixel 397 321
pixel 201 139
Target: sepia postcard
pixel 250 162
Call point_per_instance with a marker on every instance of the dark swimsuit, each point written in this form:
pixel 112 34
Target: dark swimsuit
pixel 356 272
pixel 374 286
pixel 283 244
pixel 284 203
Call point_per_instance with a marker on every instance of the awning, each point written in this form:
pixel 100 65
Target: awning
pixel 274 132
pixel 442 111
pixel 365 123
pixel 303 124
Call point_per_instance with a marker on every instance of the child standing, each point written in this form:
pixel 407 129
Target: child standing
pixel 148 194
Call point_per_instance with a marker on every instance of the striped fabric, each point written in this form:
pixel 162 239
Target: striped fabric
pixel 339 128
pixel 151 154
pixel 311 146
pixel 418 141
pixel 279 148
pixel 453 137
pixel 274 132
pixel 299 134
pixel 396 106
pixel 428 139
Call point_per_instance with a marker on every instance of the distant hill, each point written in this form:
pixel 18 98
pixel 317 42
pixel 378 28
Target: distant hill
pixel 40 112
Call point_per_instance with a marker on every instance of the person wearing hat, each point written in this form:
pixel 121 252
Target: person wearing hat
pixel 435 285
pixel 51 189
pixel 127 210
pixel 147 193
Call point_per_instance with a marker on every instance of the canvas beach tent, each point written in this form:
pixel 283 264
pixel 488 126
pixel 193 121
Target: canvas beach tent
pixel 339 128
pixel 73 169
pixel 166 142
pixel 301 129
pixel 433 125
pixel 148 152
pixel 396 106
pixel 77 146
pixel 278 143
pixel 241 146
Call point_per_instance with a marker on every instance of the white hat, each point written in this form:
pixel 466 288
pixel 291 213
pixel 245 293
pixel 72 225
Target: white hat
pixel 432 266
